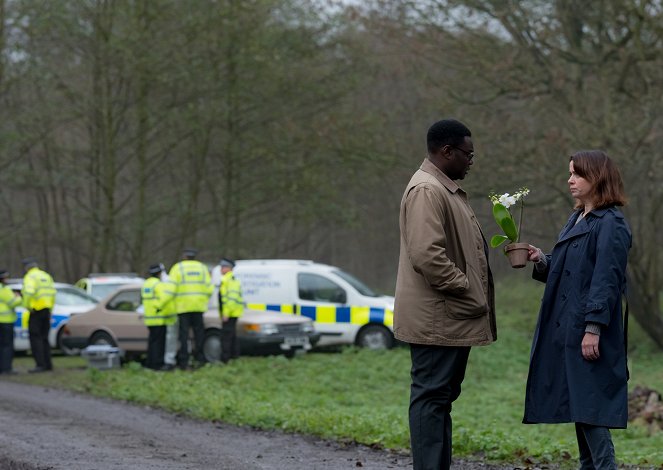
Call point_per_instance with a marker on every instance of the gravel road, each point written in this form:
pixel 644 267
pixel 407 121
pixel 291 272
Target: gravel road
pixel 44 428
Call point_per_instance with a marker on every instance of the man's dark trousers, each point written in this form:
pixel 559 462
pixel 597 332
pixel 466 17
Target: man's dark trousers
pixel 195 321
pixel 38 327
pixel 437 373
pixel 6 346
pixel 596 449
pixel 229 343
pixel 156 347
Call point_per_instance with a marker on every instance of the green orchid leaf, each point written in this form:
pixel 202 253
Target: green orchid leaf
pixel 505 221
pixel 497 240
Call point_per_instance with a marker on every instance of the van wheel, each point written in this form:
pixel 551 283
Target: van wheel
pixel 101 338
pixel 375 337
pixel 65 350
pixel 212 346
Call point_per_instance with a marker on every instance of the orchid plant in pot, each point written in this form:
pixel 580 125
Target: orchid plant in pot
pixel 516 252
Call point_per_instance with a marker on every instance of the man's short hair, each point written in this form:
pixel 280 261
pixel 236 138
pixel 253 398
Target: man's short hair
pixel 446 132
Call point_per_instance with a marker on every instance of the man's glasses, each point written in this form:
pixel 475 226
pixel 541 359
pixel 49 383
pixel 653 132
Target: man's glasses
pixel 469 155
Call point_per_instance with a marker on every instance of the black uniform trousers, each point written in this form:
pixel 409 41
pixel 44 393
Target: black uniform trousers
pixel 229 342
pixel 193 320
pixel 6 347
pixel 38 327
pixel 437 373
pixel 156 347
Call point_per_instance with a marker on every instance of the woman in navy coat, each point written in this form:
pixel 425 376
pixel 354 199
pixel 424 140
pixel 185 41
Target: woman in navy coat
pixel 577 368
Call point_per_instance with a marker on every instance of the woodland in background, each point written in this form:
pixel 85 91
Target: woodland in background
pixel 288 129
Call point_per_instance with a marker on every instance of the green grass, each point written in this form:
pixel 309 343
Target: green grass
pixel 362 396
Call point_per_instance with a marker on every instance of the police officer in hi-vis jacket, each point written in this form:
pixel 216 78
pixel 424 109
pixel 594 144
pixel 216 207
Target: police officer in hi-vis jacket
pixel 8 301
pixel 193 288
pixel 39 298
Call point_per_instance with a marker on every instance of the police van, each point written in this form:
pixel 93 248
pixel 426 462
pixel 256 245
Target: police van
pixel 344 309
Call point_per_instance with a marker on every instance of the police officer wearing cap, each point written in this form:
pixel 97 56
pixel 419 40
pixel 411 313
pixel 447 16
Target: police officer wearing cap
pixel 193 288
pixel 156 298
pixel 8 301
pixel 231 307
pixel 38 297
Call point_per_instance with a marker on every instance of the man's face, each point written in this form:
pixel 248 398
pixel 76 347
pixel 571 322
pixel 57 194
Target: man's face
pixel 462 158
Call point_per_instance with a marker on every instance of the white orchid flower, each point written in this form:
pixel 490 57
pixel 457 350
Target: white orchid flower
pixel 506 200
pixel 504 218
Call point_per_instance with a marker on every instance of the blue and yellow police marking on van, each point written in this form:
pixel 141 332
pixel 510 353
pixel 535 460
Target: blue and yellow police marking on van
pixel 333 314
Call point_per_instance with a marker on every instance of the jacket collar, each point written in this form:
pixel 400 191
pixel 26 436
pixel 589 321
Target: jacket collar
pixel 573 229
pixel 430 168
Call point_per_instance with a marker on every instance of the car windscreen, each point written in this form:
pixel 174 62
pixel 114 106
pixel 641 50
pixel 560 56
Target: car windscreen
pixel 362 288
pixel 102 290
pixel 69 297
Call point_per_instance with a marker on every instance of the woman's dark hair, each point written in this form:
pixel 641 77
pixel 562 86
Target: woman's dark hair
pixel 446 132
pixel 597 168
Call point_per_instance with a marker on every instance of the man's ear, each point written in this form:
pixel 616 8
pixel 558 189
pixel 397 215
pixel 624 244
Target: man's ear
pixel 445 152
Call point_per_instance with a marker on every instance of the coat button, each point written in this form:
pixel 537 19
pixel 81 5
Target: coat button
pixel 575 244
pixel 563 296
pixel 567 272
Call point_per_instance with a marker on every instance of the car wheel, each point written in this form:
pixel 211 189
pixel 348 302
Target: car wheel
pixel 101 338
pixel 212 346
pixel 375 337
pixel 65 350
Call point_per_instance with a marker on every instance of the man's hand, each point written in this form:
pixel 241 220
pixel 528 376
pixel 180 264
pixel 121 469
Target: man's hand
pixel 225 318
pixel 590 346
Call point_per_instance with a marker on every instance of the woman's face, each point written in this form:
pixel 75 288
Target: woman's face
pixel 579 187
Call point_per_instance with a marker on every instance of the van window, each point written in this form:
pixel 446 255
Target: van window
pixel 319 288
pixel 362 288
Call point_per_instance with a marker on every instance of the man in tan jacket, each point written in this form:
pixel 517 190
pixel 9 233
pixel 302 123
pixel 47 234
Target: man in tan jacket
pixel 444 291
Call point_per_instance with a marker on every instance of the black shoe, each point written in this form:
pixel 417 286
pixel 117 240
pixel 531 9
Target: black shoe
pixel 9 372
pixel 167 367
pixel 37 369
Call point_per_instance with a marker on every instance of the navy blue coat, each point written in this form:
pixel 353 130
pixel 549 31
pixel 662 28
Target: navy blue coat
pixel 584 280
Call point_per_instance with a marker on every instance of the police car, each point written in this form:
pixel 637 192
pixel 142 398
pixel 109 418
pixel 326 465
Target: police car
pixel 69 300
pixel 344 309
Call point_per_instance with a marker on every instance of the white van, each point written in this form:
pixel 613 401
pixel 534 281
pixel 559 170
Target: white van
pixel 345 311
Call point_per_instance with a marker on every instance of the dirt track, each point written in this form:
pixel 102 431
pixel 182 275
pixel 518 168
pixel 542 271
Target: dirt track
pixel 52 429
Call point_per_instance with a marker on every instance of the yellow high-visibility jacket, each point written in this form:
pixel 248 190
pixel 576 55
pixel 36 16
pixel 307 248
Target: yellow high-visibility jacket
pixel 8 300
pixel 166 296
pixel 193 286
pixel 231 301
pixel 148 295
pixel 38 290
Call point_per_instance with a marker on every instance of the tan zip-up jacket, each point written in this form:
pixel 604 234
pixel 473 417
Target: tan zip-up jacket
pixel 444 290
